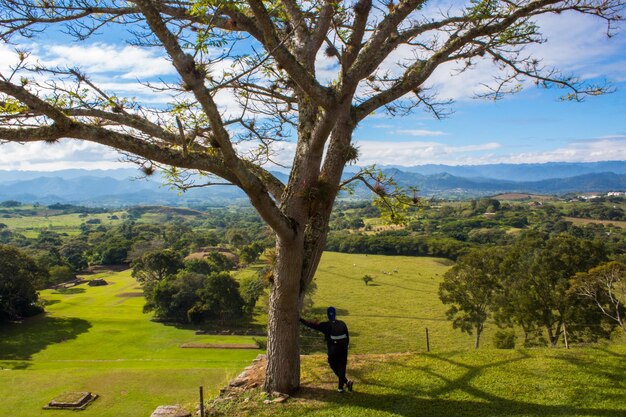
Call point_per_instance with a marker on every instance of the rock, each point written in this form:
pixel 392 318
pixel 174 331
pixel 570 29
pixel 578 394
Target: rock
pixel 170 411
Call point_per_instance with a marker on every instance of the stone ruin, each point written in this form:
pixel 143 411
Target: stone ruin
pixel 71 401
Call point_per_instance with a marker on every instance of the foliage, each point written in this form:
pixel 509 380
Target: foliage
pixel 469 287
pixel 156 266
pixel 250 253
pixel 60 273
pixel 504 339
pixel 251 289
pixel 536 274
pixel 367 279
pixel 18 275
pixel 605 286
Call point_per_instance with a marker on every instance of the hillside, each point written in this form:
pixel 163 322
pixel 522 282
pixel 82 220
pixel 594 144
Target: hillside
pixel 488 383
pixel 123 187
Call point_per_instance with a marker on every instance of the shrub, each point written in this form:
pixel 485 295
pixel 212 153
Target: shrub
pixel 504 339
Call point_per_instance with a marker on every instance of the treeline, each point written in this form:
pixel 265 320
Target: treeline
pixel 197 290
pixel 551 286
pixel 396 243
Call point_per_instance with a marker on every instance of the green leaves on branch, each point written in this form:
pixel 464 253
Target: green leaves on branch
pixel 12 106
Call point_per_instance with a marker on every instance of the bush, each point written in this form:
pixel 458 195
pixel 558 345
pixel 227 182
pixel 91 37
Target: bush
pixel 260 343
pixel 504 339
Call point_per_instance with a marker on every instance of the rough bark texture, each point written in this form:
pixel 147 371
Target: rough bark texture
pixel 283 353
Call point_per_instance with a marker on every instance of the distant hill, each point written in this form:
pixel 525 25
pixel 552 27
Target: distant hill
pixel 122 187
pixel 519 172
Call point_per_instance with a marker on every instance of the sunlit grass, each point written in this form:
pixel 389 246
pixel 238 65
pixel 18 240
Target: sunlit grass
pixel 97 339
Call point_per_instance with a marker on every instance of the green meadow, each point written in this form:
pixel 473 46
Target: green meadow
pixel 582 382
pixel 390 314
pixel 395 376
pixel 30 226
pixel 97 339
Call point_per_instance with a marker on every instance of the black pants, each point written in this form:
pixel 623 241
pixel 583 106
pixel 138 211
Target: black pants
pixel 338 359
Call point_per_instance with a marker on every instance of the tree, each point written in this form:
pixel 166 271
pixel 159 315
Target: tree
pixel 250 253
pixel 605 286
pixel 156 266
pixel 367 279
pixel 536 280
pixel 469 287
pixel 279 91
pixel 18 275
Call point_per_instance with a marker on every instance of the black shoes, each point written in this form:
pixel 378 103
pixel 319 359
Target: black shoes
pixel 349 385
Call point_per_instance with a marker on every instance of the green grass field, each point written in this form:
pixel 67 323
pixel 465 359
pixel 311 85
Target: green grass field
pixel 393 311
pixel 453 379
pixel 30 226
pixel 585 382
pixel 97 339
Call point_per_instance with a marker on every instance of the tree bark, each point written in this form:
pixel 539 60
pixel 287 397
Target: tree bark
pixel 283 344
pixel 479 330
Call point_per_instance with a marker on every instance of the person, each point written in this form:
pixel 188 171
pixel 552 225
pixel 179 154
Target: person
pixel 337 342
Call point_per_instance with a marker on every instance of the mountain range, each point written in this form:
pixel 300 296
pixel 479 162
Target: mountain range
pixel 123 187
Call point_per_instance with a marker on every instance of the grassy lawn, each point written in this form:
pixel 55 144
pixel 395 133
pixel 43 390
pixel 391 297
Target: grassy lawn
pixel 30 226
pixel 393 311
pixel 486 383
pixel 97 339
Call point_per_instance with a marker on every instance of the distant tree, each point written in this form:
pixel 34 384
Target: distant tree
pixel 469 287
pixel 114 254
pixel 538 270
pixel 250 253
pixel 605 286
pixel 219 298
pixel 367 279
pixel 18 273
pixel 196 298
pixel 223 262
pixel 74 252
pixel 10 203
pixel 251 289
pixel 60 273
pixel 156 266
pixel 200 266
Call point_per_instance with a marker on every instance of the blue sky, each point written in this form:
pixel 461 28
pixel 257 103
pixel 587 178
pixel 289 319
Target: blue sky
pixel 532 126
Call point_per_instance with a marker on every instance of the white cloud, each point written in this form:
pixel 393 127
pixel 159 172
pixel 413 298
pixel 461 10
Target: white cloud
pixel 126 62
pixel 419 132
pixel 413 153
pixel 62 155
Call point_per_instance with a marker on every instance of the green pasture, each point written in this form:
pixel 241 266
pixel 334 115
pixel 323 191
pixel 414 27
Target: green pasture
pixel 97 339
pixel 484 383
pixel 390 314
pixel 30 226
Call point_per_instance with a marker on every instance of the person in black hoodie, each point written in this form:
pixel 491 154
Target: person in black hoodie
pixel 337 341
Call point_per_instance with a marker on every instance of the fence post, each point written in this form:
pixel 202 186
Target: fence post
pixel 427 341
pixel 201 402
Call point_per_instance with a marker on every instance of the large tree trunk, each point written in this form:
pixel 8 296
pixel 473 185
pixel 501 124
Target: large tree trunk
pixel 283 344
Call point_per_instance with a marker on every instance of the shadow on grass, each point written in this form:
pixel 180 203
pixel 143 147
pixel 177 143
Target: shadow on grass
pixel 21 341
pixel 67 291
pixel 398 396
pixel 403 405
